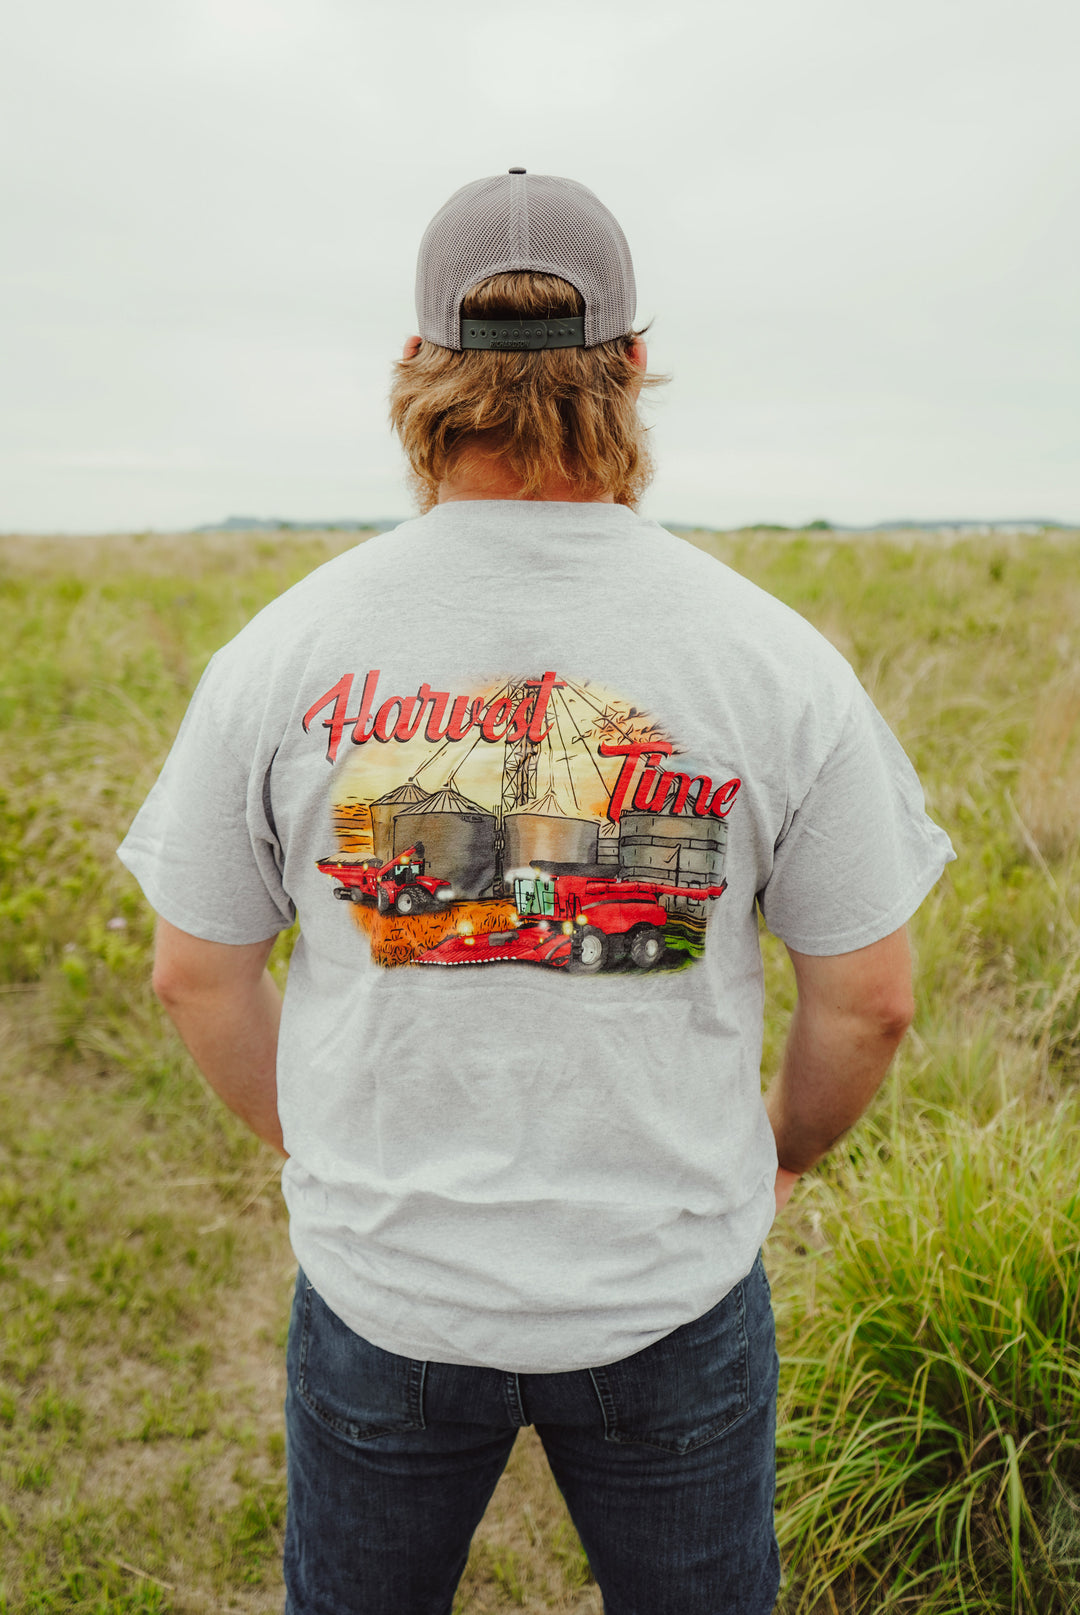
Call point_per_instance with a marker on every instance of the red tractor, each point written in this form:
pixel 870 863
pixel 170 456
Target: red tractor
pixel 400 884
pixel 578 917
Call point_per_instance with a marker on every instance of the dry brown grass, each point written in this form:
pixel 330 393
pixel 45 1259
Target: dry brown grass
pixel 525 1554
pixel 1048 786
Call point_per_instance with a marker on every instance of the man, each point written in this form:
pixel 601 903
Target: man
pixel 553 762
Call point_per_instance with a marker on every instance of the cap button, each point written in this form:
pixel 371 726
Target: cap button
pixel 516 171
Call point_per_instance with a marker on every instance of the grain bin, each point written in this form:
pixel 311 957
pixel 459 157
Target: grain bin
pixel 540 829
pixel 458 837
pixel 383 812
pixel 678 849
pixel 607 852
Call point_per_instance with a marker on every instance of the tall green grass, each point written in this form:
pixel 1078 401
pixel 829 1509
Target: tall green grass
pixel 931 1444
pixel 928 1275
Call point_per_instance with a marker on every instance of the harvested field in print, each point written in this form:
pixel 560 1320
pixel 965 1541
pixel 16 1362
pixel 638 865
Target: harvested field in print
pixel 926 1277
pixel 352 826
pixel 396 939
pixel 685 934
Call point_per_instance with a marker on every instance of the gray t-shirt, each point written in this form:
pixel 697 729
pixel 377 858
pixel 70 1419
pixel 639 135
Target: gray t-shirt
pixel 552 761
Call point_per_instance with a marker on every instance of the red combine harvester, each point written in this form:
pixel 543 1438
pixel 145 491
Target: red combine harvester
pixel 576 917
pixel 400 884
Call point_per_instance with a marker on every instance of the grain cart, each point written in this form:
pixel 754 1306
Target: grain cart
pixel 400 884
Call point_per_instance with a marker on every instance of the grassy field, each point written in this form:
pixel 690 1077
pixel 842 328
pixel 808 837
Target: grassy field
pixel 927 1277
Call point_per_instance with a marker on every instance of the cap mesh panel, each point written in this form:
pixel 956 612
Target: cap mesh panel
pixel 524 221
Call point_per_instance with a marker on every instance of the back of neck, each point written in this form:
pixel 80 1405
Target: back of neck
pixel 487 476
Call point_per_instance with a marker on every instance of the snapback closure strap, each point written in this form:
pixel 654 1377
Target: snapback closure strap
pixel 514 335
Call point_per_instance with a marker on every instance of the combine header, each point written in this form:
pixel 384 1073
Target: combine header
pixel 576 917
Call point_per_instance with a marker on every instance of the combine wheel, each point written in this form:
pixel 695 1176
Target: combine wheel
pixel 409 901
pixel 590 950
pixel 647 946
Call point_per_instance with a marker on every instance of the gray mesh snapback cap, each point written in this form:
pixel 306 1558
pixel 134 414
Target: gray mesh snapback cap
pixel 525 221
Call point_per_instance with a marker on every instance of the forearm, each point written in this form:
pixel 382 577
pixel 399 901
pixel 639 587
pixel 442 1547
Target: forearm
pixel 834 1063
pixel 232 1033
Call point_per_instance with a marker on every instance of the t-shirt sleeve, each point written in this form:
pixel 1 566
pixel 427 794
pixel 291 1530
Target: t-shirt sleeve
pixel 859 854
pixel 203 846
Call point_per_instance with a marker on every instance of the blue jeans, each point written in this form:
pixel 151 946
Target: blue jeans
pixel 666 1461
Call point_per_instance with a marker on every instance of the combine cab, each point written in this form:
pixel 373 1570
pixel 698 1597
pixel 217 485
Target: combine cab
pixel 576 917
pixel 400 885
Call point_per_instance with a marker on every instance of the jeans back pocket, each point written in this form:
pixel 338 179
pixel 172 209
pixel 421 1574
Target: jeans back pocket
pixel 354 1388
pixel 686 1389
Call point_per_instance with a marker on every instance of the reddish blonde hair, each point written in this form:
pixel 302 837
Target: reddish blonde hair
pixel 568 412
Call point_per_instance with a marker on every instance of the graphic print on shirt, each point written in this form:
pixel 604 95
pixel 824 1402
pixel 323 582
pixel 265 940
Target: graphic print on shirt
pixel 536 820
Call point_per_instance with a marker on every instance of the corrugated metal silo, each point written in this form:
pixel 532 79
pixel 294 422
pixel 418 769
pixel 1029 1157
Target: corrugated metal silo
pixel 678 849
pixel 458 837
pixel 607 851
pixel 383 812
pixel 540 829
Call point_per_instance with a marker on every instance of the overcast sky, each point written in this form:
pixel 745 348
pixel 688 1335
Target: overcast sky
pixel 855 226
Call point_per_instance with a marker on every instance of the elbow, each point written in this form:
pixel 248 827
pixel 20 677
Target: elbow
pixel 166 986
pixel 174 985
pixel 895 1016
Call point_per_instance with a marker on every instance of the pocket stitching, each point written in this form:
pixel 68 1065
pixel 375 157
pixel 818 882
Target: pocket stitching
pixel 711 1431
pixel 348 1429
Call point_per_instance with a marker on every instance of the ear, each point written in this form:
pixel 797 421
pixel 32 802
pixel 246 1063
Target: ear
pixel 639 354
pixel 411 348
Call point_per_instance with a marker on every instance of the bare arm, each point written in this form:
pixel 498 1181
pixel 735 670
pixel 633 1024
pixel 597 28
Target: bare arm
pixel 852 1012
pixel 226 1007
